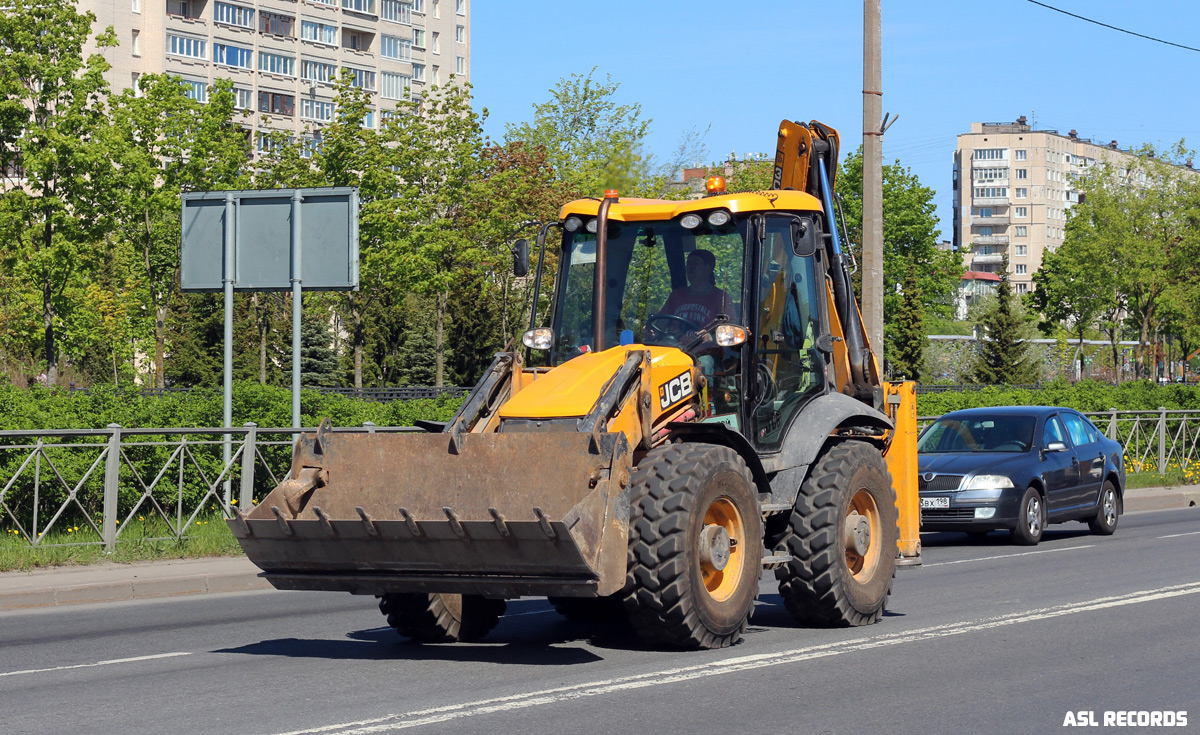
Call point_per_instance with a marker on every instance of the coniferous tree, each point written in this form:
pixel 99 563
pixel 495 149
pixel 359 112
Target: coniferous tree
pixel 1003 356
pixel 318 363
pixel 908 351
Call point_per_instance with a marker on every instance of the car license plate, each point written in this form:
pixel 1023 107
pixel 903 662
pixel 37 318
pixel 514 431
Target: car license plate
pixel 935 502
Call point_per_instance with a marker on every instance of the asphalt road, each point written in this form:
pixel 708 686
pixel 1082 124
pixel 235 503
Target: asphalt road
pixel 986 638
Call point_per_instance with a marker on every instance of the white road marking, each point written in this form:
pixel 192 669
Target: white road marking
pixel 417 718
pixel 98 663
pixel 531 612
pixel 1009 556
pixel 1177 535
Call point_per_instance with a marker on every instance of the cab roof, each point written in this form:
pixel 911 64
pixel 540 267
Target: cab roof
pixel 631 209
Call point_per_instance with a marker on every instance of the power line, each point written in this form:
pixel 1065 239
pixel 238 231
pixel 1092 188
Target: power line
pixel 1122 30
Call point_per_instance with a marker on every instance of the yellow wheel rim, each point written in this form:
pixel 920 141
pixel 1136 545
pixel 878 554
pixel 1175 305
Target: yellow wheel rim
pixel 862 533
pixel 721 583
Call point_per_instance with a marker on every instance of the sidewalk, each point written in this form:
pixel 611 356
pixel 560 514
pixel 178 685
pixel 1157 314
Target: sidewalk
pixel 116 582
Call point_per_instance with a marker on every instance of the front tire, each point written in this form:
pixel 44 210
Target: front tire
pixel 842 536
pixel 441 618
pixel 1031 519
pixel 1105 521
pixel 695 547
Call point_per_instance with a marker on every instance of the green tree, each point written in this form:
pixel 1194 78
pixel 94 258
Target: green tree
pixel 907 358
pixel 593 142
pixel 1003 356
pixel 910 236
pixel 162 142
pixel 318 363
pixel 1076 287
pixel 53 117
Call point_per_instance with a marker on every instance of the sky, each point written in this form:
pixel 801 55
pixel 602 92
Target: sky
pixel 736 69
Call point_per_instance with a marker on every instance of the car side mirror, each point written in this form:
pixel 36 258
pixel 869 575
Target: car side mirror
pixel 520 253
pixel 1056 447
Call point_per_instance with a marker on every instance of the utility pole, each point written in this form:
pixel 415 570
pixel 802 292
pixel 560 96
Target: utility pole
pixel 872 245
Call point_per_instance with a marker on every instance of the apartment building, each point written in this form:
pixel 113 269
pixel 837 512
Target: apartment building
pixel 284 55
pixel 1012 192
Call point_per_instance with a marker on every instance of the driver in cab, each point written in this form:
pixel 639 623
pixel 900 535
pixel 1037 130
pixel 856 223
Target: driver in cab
pixel 700 301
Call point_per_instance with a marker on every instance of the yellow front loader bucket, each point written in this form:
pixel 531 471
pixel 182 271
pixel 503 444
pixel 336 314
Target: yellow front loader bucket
pixel 495 514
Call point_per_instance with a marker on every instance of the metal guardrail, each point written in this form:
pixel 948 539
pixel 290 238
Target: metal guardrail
pixel 97 480
pixel 1154 440
pixel 407 393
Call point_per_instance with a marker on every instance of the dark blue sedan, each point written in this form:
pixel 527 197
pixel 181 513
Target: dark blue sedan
pixel 1018 468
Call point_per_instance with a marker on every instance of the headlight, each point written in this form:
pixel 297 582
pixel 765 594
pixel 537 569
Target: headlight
pixel 718 218
pixel 592 225
pixel 572 223
pixel 982 482
pixel 541 338
pixel 731 335
pixel 690 221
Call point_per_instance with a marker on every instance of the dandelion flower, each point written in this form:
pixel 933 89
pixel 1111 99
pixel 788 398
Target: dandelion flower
pixel 233 502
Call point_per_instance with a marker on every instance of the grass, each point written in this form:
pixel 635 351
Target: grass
pixel 148 538
pixel 1136 480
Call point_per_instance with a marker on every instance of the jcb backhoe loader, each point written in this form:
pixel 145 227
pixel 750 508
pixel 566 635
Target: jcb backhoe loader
pixel 694 424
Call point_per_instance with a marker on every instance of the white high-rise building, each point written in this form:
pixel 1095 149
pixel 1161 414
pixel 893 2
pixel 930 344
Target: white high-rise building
pixel 284 55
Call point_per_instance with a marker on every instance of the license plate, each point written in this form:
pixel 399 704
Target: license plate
pixel 935 502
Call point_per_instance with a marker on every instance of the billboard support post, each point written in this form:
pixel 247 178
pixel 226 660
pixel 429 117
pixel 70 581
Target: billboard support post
pixel 297 303
pixel 227 283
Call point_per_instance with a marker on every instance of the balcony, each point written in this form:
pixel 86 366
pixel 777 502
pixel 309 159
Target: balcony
pixel 980 259
pixel 989 202
pixel 989 239
pixel 998 219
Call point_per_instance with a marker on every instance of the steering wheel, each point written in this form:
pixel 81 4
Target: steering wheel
pixel 678 327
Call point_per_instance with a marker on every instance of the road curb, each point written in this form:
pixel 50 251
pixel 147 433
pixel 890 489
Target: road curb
pixel 1162 499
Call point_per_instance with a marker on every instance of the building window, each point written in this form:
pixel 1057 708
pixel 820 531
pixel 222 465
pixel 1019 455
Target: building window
pixel 985 212
pixel 1022 269
pixel 1022 173
pixel 271 142
pixel 985 231
pixel 228 55
pixel 990 154
pixel 460 34
pixel 437 9
pixel 1019 155
pixel 435 77
pixel 233 15
pixel 310 145
pixel 1022 251
pixel 1021 230
pixel 137 6
pixel 359 6
pixel 1022 288
pixel 319 110
pixel 195 90
pixel 318 32
pixel 317 71
pixel 1021 212
pixel 368 120
pixel 193 48
pixel 437 46
pixel 395 11
pixel 989 174
pixel 460 65
pixel 277 24
pixel 276 103
pixel 1022 192
pixel 356 40
pixel 418 72
pixel 393 47
pixel 277 64
pixel 460 7
pixel 363 78
pixel 135 45
pixel 394 86
pixel 184 8
pixel 981 192
pixel 135 83
pixel 242 98
pixel 418 6
pixel 418 38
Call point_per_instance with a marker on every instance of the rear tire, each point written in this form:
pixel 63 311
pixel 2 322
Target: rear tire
pixel 441 618
pixel 695 547
pixel 1105 521
pixel 1031 519
pixel 841 570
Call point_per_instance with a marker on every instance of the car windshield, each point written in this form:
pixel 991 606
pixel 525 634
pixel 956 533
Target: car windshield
pixel 991 434
pixel 663 281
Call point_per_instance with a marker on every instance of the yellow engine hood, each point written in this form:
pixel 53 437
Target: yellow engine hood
pixel 571 389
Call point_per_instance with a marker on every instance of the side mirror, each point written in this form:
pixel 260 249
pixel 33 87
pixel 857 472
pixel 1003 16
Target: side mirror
pixel 520 253
pixel 1056 447
pixel 804 238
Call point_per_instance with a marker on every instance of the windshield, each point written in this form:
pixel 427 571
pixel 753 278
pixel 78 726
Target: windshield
pixel 993 434
pixel 664 282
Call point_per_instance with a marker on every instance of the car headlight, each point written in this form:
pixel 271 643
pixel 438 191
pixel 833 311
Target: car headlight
pixel 985 482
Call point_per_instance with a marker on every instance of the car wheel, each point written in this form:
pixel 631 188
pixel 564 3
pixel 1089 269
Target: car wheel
pixel 1031 519
pixel 1105 521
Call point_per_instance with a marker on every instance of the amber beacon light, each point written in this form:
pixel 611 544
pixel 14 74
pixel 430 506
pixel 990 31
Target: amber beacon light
pixel 715 185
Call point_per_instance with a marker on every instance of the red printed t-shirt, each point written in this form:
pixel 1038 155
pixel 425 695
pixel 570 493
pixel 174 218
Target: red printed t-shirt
pixel 700 310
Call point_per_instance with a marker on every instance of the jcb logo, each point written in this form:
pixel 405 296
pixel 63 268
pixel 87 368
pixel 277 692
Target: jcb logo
pixel 675 390
pixel 777 179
